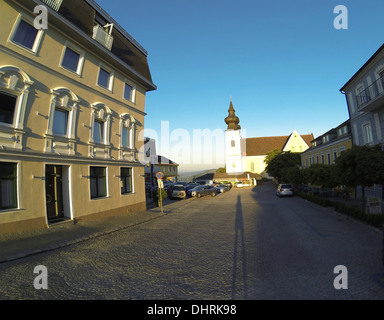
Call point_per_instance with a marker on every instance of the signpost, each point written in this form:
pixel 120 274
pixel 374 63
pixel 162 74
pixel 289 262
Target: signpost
pixel 160 184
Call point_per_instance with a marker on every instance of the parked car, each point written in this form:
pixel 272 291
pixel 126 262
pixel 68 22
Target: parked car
pixel 189 187
pixel 238 184
pixel 204 190
pixel 177 191
pixel 284 189
pixel 221 188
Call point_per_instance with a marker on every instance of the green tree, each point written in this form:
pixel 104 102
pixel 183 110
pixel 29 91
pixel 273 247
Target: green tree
pixel 322 175
pixel 361 166
pixel 221 170
pixel 277 162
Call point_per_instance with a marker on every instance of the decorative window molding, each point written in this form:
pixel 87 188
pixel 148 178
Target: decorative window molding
pixel 24 35
pixel 14 82
pixel 100 114
pixel 127 147
pixel 64 100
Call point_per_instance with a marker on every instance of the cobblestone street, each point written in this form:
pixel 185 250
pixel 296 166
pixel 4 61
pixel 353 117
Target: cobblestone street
pixel 243 244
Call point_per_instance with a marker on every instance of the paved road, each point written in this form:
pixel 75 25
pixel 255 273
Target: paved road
pixel 244 244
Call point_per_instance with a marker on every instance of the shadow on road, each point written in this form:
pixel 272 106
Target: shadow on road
pixel 239 273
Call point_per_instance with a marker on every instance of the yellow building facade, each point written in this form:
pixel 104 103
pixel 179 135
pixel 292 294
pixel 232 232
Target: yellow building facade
pixel 326 148
pixel 72 108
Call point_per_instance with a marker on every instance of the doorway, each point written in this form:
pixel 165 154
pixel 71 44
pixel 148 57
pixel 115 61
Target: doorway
pixel 54 193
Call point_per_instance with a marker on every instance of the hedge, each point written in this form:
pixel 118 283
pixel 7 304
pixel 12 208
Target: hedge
pixel 376 220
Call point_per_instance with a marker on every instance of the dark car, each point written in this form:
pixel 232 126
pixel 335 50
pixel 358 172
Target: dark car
pixel 221 188
pixel 206 190
pixel 189 187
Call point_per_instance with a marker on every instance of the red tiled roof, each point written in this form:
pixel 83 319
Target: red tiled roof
pixel 262 145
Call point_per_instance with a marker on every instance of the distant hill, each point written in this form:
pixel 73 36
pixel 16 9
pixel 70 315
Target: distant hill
pixel 188 176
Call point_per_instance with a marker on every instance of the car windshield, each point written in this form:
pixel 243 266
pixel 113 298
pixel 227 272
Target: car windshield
pixel 178 188
pixel 286 186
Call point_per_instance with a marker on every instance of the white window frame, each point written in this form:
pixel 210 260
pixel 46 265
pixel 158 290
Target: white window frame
pixel 39 36
pixel 15 82
pixel 127 152
pixel 80 63
pixel 18 186
pixel 63 99
pixel 367 132
pixel 335 154
pixel 132 181
pixel 133 91
pixel 379 70
pixel 111 77
pixel 106 183
pixel 100 112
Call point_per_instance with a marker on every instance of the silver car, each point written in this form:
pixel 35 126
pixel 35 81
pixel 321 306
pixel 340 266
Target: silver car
pixel 284 189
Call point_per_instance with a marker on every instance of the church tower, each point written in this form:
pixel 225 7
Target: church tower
pixel 233 152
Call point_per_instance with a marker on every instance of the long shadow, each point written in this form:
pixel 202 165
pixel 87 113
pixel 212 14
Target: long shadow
pixel 239 256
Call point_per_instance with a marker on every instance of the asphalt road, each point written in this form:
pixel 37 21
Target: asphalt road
pixel 244 244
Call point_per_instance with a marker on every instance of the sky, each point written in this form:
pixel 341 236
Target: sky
pixel 281 62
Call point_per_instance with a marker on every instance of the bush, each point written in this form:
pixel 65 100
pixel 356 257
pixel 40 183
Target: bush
pixel 155 195
pixel 376 220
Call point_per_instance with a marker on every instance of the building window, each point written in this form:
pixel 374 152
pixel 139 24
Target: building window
pixel 334 155
pixel 15 85
pixel 7 107
pixel 26 35
pixel 72 60
pixel 329 157
pixel 98 130
pixel 232 143
pixel 105 79
pixel 381 77
pixel 60 122
pixel 99 134
pixel 8 185
pixel 126 180
pixel 98 182
pixel 125 138
pixel 61 125
pixel 127 131
pixel 129 91
pixel 367 133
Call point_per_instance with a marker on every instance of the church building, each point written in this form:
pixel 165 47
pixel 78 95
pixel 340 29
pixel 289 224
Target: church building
pixel 248 154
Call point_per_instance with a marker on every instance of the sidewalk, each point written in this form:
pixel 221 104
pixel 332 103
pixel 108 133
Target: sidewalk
pixel 16 246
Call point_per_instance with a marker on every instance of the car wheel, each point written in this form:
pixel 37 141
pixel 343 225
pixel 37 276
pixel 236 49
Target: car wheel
pixel 213 194
pixel 198 195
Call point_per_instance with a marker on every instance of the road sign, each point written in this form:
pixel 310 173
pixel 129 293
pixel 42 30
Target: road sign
pixel 159 175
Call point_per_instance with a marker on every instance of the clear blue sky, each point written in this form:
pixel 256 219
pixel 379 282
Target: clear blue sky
pixel 281 61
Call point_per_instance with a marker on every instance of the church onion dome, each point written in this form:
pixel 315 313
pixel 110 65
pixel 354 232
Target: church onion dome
pixel 232 120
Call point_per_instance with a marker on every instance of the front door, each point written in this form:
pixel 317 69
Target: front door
pixel 54 192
